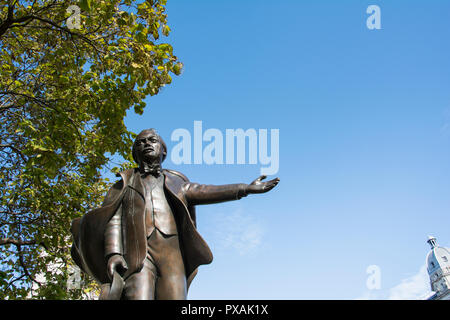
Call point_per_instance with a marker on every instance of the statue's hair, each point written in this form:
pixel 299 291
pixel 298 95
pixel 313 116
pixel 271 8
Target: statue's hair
pixel 163 144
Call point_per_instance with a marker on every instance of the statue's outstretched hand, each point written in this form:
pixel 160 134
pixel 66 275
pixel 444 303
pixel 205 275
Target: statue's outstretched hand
pixel 258 186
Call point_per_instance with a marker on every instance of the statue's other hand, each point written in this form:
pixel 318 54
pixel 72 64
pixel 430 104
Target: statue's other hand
pixel 258 186
pixel 116 263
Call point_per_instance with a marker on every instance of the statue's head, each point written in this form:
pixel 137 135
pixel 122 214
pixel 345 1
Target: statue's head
pixel 149 147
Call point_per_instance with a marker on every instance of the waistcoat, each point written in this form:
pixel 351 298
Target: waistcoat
pixel 158 213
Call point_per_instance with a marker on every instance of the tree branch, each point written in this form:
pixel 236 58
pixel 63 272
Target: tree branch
pixel 17 151
pixel 8 21
pixel 6 241
pixel 24 267
pixel 68 31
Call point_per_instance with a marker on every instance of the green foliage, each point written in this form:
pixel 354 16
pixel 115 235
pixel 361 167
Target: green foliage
pixel 64 94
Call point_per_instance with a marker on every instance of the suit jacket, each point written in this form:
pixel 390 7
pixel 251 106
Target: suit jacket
pixel 88 249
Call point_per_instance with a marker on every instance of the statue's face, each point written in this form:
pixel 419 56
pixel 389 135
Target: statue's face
pixel 148 147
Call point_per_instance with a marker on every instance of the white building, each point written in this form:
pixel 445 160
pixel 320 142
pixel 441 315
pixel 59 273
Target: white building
pixel 438 266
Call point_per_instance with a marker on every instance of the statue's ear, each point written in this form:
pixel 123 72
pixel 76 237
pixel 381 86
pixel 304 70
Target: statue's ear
pixel 163 148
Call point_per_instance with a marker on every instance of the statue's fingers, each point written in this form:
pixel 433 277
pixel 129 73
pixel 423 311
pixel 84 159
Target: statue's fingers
pixel 271 186
pixel 261 178
pixel 273 182
pixel 258 180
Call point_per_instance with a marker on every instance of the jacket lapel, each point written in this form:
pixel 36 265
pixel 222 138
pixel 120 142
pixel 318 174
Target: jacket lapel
pixel 136 184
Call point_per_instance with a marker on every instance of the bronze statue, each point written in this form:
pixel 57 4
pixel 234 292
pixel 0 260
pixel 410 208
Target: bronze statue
pixel 142 243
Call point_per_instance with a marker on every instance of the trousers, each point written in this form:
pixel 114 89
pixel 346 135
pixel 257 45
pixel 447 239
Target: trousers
pixel 163 276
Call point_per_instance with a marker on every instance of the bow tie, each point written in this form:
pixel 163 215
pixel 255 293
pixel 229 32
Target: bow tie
pixel 146 170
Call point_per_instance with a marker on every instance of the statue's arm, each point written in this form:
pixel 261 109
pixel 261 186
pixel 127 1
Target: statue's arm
pixel 196 193
pixel 113 234
pixel 113 249
pixel 114 244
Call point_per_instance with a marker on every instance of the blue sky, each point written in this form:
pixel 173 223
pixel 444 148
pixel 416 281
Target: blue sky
pixel 364 122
